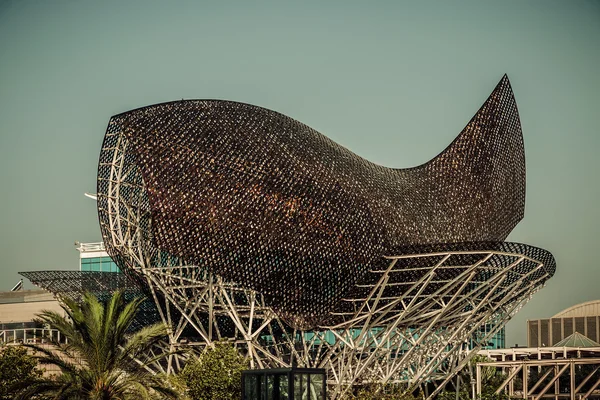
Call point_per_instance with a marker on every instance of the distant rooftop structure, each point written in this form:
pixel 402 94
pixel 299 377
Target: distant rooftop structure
pixel 577 340
pixel 93 257
pixel 583 318
pixel 25 296
pixel 18 286
pixel 575 359
pixel 18 310
pixel 587 309
pixel 18 307
pixel 90 247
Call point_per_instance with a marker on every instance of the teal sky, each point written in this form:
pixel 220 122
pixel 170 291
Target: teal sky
pixel 392 81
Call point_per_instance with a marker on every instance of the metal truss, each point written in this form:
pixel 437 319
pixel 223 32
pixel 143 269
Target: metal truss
pixel 421 336
pixel 427 334
pixel 549 373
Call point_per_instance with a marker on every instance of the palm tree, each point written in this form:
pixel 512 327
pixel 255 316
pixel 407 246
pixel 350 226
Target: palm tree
pixel 100 359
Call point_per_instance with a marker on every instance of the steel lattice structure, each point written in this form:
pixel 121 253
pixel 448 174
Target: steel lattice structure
pixel 73 284
pixel 419 336
pixel 244 224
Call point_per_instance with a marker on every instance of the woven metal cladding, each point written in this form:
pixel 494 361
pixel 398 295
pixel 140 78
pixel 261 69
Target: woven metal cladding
pixel 267 202
pixel 520 263
pixel 74 284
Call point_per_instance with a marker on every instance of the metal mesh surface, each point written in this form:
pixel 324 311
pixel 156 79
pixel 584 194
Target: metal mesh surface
pixel 73 285
pixel 520 262
pixel 265 201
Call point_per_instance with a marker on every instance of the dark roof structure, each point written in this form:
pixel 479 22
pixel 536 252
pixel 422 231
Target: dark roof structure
pixel 73 284
pixel 267 202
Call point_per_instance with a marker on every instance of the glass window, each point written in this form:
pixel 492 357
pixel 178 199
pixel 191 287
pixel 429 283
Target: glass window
pixel 283 387
pixel 317 390
pixel 306 392
pixel 297 386
pixel 251 387
pixel 98 264
pixel 271 388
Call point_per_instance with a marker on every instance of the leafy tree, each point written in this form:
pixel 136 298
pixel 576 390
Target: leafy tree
pixel 451 395
pixel 100 359
pixel 17 367
pixel 491 379
pixel 216 374
pixel 488 392
pixel 380 392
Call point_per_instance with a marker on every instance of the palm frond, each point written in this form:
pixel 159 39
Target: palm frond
pixel 110 362
pixel 52 358
pixel 42 389
pixel 144 339
pixel 123 321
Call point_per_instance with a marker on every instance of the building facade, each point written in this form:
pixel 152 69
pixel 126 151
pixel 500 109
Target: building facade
pixel 18 309
pixel 17 313
pixel 583 318
pixel 93 257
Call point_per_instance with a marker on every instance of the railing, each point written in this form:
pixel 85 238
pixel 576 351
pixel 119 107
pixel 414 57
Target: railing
pixel 84 247
pixel 38 336
pixel 30 335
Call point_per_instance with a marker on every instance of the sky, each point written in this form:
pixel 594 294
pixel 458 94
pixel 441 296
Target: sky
pixel 392 81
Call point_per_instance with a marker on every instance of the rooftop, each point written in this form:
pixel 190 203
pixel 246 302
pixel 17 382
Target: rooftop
pixel 25 296
pixel 587 309
pixel 577 340
pixel 86 247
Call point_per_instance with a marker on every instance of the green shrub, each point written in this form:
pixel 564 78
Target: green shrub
pixel 216 374
pixel 380 392
pixel 17 368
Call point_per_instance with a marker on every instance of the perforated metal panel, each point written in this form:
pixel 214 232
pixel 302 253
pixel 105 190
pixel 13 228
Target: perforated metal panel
pixel 544 333
pixel 534 340
pixel 591 328
pixel 580 325
pixel 74 284
pixel 567 326
pixel 557 331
